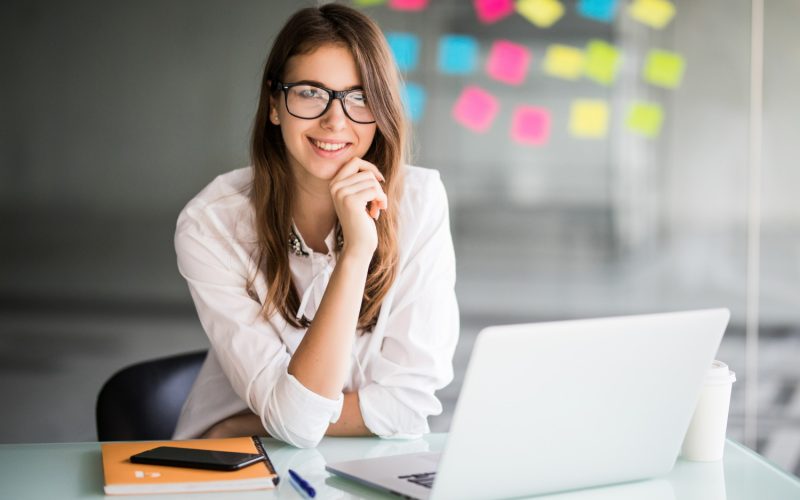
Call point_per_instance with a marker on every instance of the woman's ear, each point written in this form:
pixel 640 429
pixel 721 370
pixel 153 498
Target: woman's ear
pixel 273 111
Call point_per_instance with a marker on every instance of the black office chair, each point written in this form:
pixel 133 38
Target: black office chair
pixel 143 401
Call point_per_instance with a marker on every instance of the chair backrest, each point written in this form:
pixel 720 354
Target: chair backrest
pixel 143 401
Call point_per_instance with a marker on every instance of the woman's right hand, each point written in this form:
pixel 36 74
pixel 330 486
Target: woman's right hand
pixel 358 199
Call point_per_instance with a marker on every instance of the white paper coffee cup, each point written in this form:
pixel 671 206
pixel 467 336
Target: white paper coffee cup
pixel 705 439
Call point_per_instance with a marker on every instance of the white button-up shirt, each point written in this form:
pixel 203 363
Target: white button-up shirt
pixel 396 368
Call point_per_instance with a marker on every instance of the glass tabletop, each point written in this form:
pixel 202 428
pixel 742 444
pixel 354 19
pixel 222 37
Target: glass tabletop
pixel 74 470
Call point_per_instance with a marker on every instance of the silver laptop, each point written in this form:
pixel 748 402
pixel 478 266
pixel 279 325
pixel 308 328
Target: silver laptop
pixel 549 407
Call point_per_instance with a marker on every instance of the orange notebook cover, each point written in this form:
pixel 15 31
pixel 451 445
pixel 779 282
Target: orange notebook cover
pixel 123 477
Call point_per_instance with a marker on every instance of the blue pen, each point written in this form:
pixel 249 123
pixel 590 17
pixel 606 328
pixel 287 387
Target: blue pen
pixel 301 485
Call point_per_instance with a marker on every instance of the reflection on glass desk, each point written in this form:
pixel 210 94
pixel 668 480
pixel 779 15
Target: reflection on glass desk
pixel 74 470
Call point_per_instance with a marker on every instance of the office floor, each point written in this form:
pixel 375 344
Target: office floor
pixel 52 366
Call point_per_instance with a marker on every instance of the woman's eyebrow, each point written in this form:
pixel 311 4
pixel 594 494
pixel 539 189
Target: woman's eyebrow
pixel 320 84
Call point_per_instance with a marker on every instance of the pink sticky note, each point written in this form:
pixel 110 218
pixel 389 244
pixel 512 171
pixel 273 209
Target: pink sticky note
pixel 408 4
pixel 475 109
pixel 531 125
pixel 508 62
pixel 491 11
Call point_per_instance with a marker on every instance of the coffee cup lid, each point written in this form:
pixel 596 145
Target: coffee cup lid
pixel 719 373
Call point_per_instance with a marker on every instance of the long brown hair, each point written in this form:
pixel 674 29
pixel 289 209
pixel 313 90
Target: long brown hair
pixel 307 30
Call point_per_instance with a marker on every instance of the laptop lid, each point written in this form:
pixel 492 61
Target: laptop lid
pixel 554 406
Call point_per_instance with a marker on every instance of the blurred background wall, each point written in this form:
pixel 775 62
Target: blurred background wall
pixel 114 114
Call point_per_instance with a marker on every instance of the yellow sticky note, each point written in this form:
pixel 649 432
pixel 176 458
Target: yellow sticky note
pixel 542 13
pixel 663 68
pixel 602 62
pixel 644 118
pixel 588 118
pixel 563 61
pixel 654 13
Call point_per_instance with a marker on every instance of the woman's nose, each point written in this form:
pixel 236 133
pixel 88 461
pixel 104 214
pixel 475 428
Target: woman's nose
pixel 335 118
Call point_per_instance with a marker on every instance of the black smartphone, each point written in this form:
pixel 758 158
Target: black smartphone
pixel 196 458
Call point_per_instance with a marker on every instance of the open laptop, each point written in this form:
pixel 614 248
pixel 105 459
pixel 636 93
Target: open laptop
pixel 548 407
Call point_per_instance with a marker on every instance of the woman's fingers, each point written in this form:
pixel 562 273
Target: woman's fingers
pixel 354 166
pixel 336 186
pixel 360 194
pixel 359 176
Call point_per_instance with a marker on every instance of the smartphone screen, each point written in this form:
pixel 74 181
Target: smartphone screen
pixel 196 458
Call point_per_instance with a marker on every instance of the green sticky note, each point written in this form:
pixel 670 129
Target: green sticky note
pixel 588 118
pixel 645 118
pixel 368 3
pixel 664 68
pixel 563 61
pixel 602 61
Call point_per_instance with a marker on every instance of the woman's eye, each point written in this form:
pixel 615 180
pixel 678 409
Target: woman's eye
pixel 309 93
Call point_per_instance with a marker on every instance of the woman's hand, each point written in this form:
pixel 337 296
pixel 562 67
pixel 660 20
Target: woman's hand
pixel 358 199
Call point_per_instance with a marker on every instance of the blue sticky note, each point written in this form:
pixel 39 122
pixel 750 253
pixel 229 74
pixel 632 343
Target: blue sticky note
pixel 598 10
pixel 414 98
pixel 405 48
pixel 458 54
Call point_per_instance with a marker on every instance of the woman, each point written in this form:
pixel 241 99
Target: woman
pixel 324 274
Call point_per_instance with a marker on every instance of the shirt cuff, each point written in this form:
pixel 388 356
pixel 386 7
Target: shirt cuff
pixel 386 417
pixel 296 415
pixel 305 397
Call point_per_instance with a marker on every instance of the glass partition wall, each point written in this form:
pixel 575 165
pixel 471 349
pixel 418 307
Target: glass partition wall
pixel 627 187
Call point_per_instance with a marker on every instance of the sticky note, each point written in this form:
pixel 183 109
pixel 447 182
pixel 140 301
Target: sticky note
pixel 654 13
pixel 458 54
pixel 563 61
pixel 663 68
pixel 602 62
pixel 530 125
pixel 413 5
pixel 644 118
pixel 491 11
pixel 369 3
pixel 405 47
pixel 475 109
pixel 597 10
pixel 414 97
pixel 588 118
pixel 542 13
pixel 508 62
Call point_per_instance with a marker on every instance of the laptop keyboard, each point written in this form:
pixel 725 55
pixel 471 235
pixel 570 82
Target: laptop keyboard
pixel 423 479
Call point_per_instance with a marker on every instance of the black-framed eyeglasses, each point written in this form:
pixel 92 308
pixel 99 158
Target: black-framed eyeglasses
pixel 308 101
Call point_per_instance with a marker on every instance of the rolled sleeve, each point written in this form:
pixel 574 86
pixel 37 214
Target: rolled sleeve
pixel 247 346
pixel 418 340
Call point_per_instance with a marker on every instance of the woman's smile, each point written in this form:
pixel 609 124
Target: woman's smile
pixel 329 148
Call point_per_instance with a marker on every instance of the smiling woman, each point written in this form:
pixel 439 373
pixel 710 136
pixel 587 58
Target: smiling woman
pixel 324 273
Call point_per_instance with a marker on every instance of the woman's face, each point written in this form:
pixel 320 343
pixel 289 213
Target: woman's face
pixel 319 147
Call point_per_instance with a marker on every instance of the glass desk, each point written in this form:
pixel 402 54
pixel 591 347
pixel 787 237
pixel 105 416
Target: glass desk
pixel 74 470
